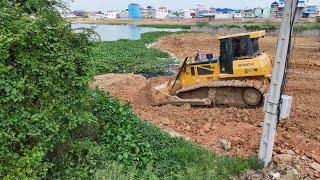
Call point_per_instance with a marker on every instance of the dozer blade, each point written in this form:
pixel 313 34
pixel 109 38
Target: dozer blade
pixel 161 95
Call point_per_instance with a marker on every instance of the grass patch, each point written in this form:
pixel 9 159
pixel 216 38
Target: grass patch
pixel 161 156
pixel 179 158
pixel 202 23
pixel 267 25
pixel 306 26
pixel 131 56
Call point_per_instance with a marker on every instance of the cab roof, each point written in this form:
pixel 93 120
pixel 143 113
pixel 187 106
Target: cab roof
pixel 253 35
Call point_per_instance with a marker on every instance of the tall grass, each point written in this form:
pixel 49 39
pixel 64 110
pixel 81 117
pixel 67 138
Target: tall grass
pixel 266 25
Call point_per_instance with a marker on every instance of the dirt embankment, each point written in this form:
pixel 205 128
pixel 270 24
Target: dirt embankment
pixel 242 127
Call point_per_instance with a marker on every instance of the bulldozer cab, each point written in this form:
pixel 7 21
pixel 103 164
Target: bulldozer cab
pixel 238 47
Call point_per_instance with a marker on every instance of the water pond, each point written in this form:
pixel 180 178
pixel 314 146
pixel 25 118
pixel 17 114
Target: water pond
pixel 116 32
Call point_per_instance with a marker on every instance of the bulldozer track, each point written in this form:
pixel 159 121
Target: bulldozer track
pixel 253 83
pixel 229 93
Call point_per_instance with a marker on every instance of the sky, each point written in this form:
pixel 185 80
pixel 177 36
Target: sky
pixel 103 5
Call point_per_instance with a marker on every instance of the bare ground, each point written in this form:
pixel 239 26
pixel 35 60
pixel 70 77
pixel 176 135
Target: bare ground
pixel 242 127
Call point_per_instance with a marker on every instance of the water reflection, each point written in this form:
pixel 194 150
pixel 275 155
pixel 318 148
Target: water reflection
pixel 134 32
pixel 116 32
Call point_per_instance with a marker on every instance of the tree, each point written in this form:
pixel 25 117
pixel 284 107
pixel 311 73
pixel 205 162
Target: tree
pixel 45 68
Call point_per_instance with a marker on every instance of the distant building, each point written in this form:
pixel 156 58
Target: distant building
pixel 186 14
pixel 257 12
pixel 151 12
pixel 266 12
pixel 224 16
pixel 162 13
pixel 224 11
pixel 205 14
pixel 300 8
pixel 134 11
pixel 112 14
pixel 96 15
pixel 238 14
pixel 248 13
pixel 312 9
pixel 124 14
pixel 274 9
pixel 80 13
pixel 193 13
pixel 174 15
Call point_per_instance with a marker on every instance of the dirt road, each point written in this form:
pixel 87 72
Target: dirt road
pixel 242 127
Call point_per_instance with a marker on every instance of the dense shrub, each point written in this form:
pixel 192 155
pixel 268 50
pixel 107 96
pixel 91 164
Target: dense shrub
pixel 51 123
pixel 54 127
pixel 44 69
pixel 112 136
pixel 202 23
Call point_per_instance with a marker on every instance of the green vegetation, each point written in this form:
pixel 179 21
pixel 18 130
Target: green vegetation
pixel 202 23
pixel 178 158
pixel 267 25
pixel 54 127
pixel 167 26
pixel 306 26
pixel 318 19
pixel 253 25
pixel 126 56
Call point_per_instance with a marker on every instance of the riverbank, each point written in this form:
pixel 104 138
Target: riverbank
pixel 179 24
pixel 249 25
pixel 304 29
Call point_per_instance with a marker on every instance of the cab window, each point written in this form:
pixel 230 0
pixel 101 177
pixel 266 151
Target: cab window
pixel 241 47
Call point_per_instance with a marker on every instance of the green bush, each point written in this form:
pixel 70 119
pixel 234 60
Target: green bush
pixel 202 23
pixel 54 127
pixel 44 70
pixel 112 136
pixel 52 124
pixel 265 25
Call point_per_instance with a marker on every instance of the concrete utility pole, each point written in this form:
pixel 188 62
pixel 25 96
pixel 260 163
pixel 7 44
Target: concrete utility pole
pixel 278 105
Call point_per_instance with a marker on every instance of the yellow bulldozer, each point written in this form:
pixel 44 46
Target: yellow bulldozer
pixel 238 77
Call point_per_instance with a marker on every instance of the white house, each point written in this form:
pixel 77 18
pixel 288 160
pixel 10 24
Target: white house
pixel 97 16
pixel 112 14
pixel 124 14
pixel 238 14
pixel 224 16
pixel 187 13
pixel 257 12
pixel 312 8
pixel 162 13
